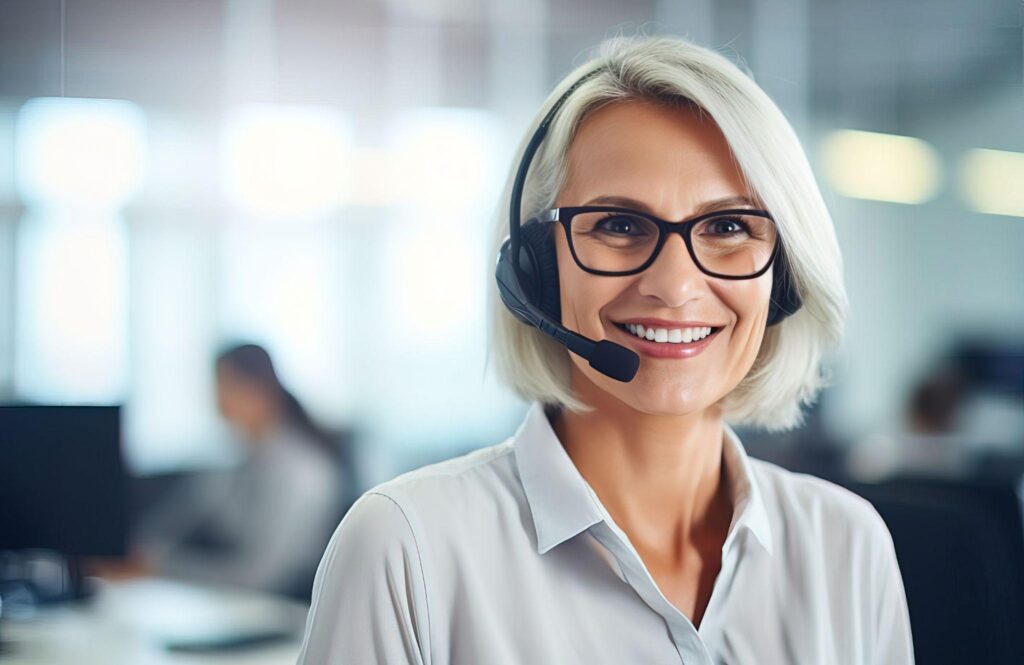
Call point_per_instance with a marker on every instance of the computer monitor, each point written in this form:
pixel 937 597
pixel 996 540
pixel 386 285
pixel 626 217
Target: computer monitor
pixel 63 485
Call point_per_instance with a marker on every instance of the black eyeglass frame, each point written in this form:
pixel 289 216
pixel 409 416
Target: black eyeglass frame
pixel 684 228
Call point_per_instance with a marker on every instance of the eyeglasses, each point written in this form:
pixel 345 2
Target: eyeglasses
pixel 606 240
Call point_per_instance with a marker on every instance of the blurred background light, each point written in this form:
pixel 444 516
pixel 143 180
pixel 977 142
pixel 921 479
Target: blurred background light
pixel 433 276
pixel 881 167
pixel 87 152
pixel 373 182
pixel 72 308
pixel 287 162
pixel 446 159
pixel 992 181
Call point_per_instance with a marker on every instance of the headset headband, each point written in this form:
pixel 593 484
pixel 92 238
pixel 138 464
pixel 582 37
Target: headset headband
pixel 515 206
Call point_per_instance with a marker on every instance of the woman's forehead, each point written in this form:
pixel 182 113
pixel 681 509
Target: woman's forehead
pixel 651 152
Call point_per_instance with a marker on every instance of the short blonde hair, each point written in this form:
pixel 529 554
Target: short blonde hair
pixel 787 373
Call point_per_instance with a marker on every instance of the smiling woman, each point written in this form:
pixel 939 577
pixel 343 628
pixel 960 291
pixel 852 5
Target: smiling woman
pixel 676 161
pixel 671 214
pixel 733 149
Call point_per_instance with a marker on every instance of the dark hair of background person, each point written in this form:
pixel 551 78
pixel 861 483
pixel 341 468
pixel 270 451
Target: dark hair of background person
pixel 253 362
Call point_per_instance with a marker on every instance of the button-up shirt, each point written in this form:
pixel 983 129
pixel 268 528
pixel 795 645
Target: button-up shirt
pixel 506 556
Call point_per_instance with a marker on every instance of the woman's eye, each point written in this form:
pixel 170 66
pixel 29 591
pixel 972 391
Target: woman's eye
pixel 726 226
pixel 619 226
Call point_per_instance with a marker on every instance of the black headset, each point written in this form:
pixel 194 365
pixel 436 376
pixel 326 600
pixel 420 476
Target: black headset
pixel 529 286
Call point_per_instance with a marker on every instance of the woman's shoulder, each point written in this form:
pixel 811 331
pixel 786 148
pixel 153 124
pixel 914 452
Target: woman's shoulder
pixel 813 505
pixel 484 471
pixel 481 460
pixel 466 486
pixel 394 550
pixel 841 549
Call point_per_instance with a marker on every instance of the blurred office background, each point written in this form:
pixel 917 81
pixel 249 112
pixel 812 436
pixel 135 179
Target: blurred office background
pixel 321 179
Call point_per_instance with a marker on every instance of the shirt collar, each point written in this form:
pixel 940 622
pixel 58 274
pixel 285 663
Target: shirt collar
pixel 563 505
pixel 558 495
pixel 749 511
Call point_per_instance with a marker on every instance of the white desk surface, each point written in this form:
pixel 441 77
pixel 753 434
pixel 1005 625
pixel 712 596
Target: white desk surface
pixel 129 622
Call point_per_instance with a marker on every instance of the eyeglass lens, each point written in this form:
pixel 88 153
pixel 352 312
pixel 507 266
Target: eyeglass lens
pixel 730 244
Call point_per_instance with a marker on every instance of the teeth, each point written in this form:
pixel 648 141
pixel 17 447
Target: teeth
pixel 671 336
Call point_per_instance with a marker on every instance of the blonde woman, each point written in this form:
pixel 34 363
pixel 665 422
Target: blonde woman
pixel 677 272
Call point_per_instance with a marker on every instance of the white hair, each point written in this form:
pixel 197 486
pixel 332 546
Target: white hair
pixel 787 373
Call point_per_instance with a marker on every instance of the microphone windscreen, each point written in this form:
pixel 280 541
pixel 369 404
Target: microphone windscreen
pixel 615 361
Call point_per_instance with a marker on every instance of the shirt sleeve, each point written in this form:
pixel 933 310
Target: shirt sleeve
pixel 369 598
pixel 893 642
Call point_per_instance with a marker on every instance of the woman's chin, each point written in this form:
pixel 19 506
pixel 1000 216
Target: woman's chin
pixel 657 400
pixel 649 392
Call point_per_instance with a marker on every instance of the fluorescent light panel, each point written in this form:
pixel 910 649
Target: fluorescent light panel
pixel 79 152
pixel 285 162
pixel 881 167
pixel 992 181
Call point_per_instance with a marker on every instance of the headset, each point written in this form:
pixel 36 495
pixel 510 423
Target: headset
pixel 529 286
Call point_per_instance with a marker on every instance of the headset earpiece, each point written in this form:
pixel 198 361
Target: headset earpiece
pixel 785 299
pixel 538 264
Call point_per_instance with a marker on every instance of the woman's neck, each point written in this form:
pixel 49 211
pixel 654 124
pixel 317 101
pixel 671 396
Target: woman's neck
pixel 660 478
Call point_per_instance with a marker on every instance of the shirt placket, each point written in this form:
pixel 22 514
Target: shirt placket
pixel 687 642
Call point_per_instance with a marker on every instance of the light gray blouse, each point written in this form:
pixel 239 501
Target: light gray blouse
pixel 269 513
pixel 506 556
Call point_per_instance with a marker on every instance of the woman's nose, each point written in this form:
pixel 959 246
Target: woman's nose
pixel 673 278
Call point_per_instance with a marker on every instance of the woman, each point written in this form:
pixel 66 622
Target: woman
pixel 255 526
pixel 624 523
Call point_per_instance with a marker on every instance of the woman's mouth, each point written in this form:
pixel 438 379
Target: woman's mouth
pixel 669 342
pixel 668 335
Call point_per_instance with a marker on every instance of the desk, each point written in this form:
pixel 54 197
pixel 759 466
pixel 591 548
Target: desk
pixel 130 622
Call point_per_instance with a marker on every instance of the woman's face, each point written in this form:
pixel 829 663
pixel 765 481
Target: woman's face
pixel 673 162
pixel 243 403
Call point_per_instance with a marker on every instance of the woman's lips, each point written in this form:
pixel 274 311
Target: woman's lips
pixel 667 349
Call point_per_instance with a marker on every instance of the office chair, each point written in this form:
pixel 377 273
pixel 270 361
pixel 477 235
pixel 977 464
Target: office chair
pixel 960 547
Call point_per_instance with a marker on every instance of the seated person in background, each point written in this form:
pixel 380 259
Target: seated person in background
pixel 930 440
pixel 263 524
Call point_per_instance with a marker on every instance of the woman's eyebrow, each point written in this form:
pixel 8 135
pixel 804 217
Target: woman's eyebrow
pixel 707 206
